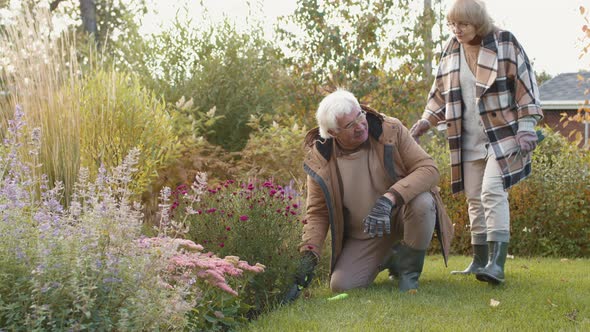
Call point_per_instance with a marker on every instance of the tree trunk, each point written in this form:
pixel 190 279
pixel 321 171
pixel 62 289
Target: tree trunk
pixel 428 44
pixel 88 13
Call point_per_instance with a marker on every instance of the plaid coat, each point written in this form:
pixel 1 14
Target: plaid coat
pixel 506 90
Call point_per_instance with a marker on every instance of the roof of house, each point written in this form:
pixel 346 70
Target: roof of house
pixel 565 90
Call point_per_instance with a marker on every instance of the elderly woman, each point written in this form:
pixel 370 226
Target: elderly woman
pixel 486 94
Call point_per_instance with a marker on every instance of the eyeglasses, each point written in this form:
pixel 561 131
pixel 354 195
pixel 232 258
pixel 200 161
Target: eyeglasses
pixel 359 118
pixel 460 25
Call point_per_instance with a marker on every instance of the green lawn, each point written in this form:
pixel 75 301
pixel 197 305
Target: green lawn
pixel 540 294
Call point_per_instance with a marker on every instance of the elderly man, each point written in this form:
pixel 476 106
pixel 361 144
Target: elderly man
pixel 374 188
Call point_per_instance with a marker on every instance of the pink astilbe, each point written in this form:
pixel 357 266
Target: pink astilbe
pixel 189 262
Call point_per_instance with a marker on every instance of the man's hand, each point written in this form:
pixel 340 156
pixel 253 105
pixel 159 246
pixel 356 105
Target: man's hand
pixel 419 128
pixel 307 265
pixel 379 218
pixel 527 140
pixel 303 276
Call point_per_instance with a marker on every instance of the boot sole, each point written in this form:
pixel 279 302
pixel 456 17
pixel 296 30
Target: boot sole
pixel 490 279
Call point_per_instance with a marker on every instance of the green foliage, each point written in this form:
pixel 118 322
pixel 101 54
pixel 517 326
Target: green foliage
pixel 372 48
pixel 218 311
pixel 76 268
pixel 236 73
pixel 549 211
pixel 118 114
pixel 275 152
pixel 259 221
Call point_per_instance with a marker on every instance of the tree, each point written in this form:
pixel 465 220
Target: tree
pixel 373 48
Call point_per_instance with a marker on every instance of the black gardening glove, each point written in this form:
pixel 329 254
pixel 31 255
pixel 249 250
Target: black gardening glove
pixel 379 218
pixel 303 276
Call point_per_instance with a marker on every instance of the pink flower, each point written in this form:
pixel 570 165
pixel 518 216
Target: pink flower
pixel 228 228
pixel 244 218
pixel 221 245
pixel 295 205
pixel 211 210
pixel 272 192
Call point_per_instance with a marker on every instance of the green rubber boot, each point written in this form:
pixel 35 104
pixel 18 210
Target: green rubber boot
pixel 480 258
pixel 493 272
pixel 411 262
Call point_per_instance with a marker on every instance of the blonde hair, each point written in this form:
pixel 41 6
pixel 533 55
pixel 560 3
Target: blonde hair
pixel 473 12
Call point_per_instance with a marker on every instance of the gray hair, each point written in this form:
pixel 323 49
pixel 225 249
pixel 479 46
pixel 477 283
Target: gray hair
pixel 337 103
pixel 473 12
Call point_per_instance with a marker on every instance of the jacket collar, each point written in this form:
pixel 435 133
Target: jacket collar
pixel 326 146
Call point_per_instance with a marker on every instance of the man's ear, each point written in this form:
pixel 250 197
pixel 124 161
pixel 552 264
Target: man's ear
pixel 332 132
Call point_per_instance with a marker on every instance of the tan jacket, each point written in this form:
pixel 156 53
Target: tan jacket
pixel 411 172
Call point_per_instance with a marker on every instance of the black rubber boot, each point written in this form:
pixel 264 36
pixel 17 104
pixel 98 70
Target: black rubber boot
pixel 493 272
pixel 480 258
pixel 411 262
pixel 393 264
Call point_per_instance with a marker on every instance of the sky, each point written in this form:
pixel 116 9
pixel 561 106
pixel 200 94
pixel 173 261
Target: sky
pixel 549 30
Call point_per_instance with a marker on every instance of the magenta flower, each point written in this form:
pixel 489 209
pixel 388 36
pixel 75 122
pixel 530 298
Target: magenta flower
pixel 272 192
pixel 228 228
pixel 211 210
pixel 244 218
pixel 221 245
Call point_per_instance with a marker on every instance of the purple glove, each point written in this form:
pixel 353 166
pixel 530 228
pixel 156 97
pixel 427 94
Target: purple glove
pixel 527 140
pixel 419 128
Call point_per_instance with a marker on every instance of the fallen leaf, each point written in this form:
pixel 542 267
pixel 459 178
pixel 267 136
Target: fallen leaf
pixel 572 315
pixel 551 303
pixel 564 260
pixel 494 303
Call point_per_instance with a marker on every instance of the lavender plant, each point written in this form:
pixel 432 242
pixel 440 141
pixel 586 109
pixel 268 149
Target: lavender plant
pixel 88 267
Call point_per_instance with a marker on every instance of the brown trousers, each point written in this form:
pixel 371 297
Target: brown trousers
pixel 362 258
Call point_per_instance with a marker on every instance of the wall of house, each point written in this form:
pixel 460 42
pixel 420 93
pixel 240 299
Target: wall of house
pixel 553 120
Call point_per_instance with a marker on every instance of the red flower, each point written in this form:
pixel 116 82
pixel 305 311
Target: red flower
pixel 211 210
pixel 228 228
pixel 221 245
pixel 304 221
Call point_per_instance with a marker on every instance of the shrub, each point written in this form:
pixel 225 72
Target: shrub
pixel 259 221
pixel 274 151
pixel 118 114
pixel 87 267
pixel 549 211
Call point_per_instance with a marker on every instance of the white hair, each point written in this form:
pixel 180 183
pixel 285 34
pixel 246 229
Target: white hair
pixel 337 103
